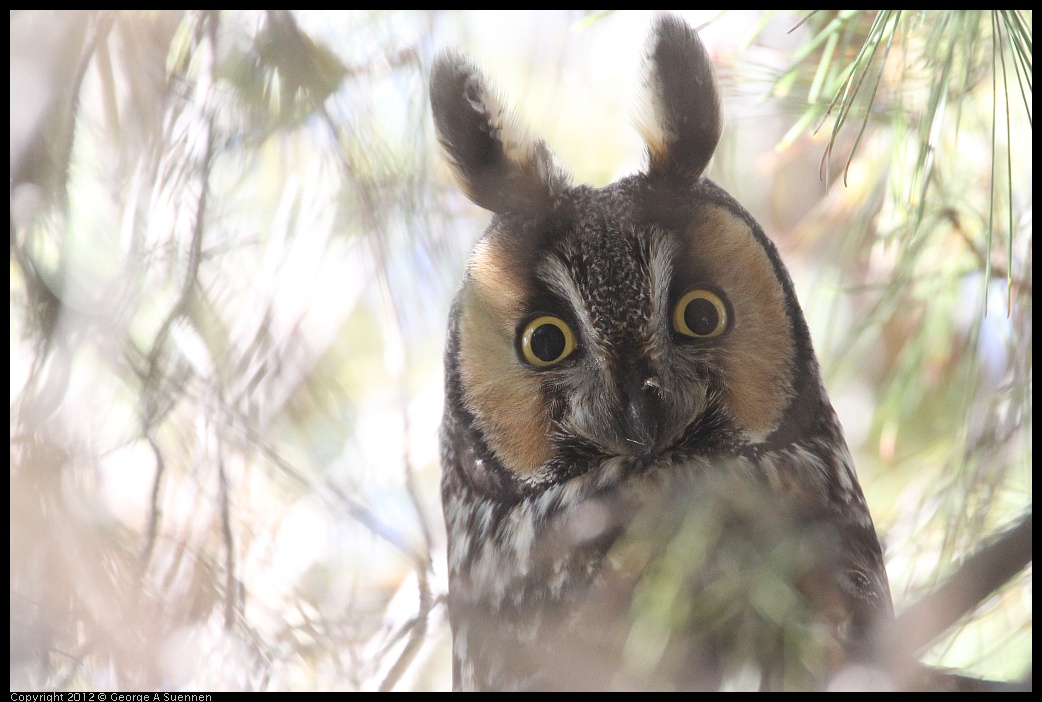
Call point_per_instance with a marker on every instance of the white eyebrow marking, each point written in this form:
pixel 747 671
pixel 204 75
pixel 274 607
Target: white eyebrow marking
pixel 662 250
pixel 556 275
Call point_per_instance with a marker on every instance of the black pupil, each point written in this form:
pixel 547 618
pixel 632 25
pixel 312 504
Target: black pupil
pixel 547 342
pixel 701 316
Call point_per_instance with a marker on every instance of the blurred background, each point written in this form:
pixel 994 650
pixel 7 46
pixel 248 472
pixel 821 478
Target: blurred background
pixel 233 249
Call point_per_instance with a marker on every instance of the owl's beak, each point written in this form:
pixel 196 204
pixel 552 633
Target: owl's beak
pixel 641 426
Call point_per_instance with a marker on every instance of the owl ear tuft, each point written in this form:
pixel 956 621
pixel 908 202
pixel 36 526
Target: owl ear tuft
pixel 680 115
pixel 497 163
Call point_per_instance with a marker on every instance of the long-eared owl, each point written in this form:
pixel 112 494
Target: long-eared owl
pixel 644 482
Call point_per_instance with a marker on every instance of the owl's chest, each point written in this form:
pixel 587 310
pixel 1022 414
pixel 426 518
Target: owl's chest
pixel 708 562
pixel 541 590
pixel 520 585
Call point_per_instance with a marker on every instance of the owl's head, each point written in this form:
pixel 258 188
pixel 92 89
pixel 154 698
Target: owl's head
pixel 647 321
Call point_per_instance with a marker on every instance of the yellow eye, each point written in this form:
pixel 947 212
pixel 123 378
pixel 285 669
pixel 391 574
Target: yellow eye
pixel 546 340
pixel 700 314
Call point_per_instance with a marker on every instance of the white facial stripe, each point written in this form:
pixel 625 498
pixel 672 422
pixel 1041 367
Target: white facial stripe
pixel 660 269
pixel 555 274
pixel 557 277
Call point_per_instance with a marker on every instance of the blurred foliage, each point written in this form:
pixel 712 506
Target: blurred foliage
pixel 212 356
pixel 233 247
pixel 928 115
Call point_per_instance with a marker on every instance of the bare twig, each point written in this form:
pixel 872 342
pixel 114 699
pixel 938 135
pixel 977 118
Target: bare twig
pixel 977 578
